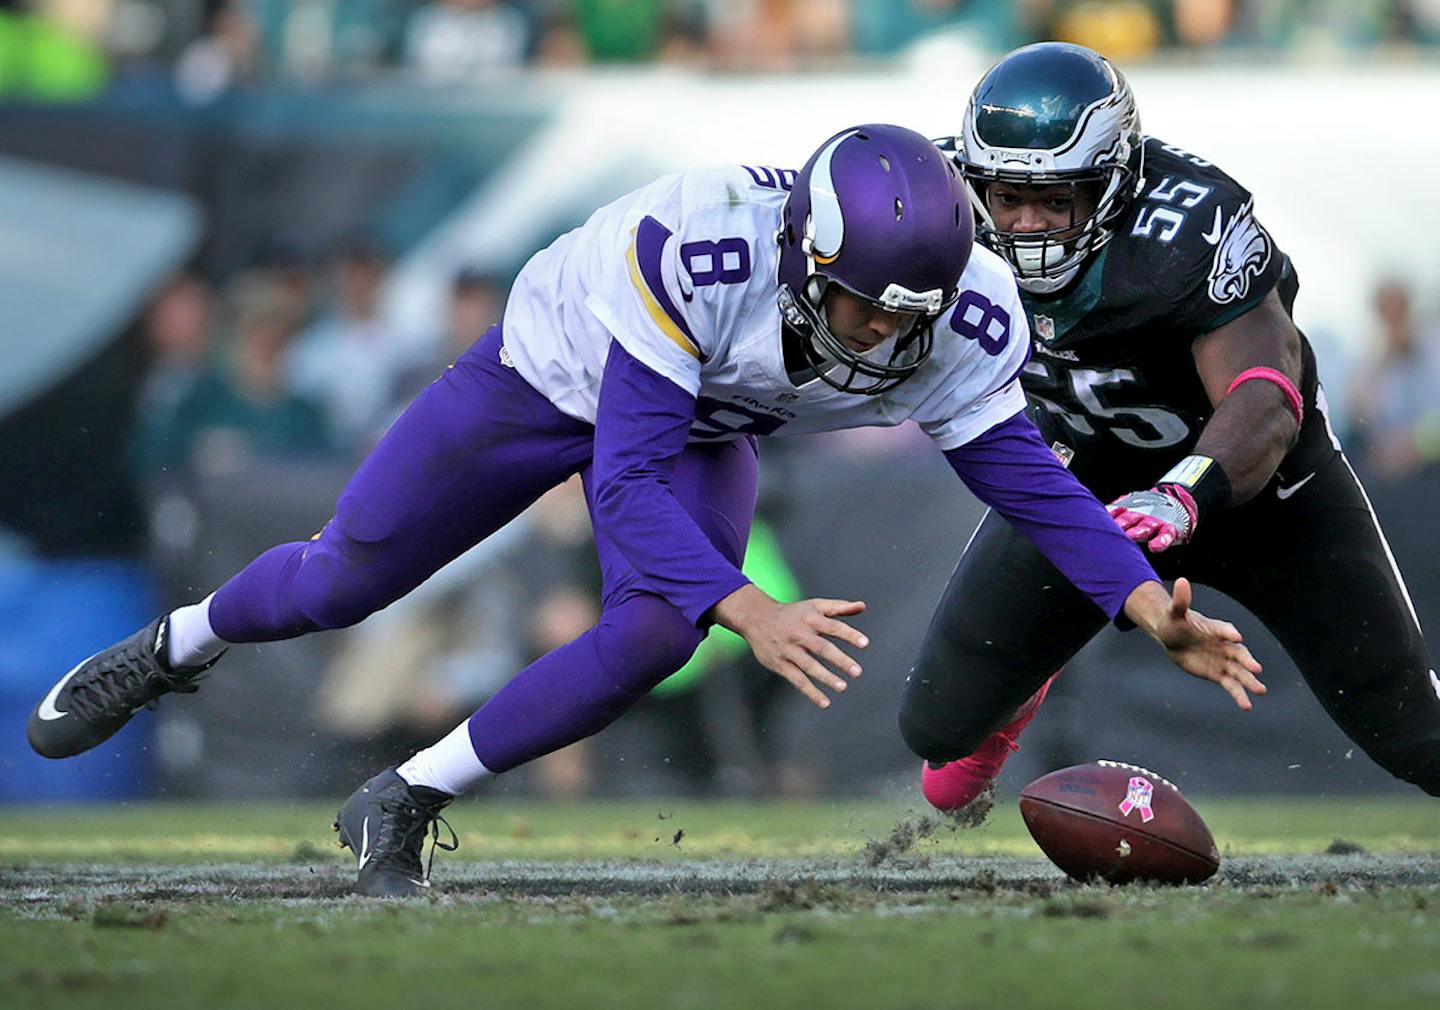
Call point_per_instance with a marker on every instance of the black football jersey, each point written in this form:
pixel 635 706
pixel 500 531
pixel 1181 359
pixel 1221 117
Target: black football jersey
pixel 1112 382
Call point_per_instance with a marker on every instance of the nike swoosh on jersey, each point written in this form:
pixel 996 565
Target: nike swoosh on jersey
pixel 47 710
pixel 1285 492
pixel 1213 235
pixel 364 844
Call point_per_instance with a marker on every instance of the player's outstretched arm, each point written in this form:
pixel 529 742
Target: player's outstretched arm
pixel 795 639
pixel 1202 646
pixel 1251 368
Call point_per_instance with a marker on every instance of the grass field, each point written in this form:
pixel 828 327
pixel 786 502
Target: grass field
pixel 1319 904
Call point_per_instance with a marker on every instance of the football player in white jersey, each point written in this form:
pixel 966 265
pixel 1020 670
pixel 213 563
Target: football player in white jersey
pixel 646 350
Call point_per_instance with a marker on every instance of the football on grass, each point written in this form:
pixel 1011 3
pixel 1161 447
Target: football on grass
pixel 1119 823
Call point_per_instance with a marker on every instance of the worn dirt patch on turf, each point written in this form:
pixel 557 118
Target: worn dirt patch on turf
pixel 74 891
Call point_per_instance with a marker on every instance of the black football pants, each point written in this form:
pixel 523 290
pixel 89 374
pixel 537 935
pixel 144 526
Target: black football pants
pixel 1313 567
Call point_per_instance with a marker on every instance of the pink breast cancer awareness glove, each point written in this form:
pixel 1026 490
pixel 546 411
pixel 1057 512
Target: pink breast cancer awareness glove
pixel 1159 518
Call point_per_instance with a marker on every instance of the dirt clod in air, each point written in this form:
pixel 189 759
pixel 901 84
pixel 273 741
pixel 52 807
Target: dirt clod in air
pixel 902 839
pixel 1341 847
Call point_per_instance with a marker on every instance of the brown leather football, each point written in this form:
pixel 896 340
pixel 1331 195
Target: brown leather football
pixel 1118 822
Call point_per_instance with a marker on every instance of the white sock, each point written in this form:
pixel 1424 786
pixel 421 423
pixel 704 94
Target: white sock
pixel 192 641
pixel 450 765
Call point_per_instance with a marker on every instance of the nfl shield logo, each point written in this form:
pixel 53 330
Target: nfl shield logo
pixel 1044 328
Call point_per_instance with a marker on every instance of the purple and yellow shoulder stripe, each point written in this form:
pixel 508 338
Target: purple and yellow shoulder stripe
pixel 644 256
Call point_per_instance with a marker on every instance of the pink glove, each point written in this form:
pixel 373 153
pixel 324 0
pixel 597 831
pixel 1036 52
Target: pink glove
pixel 1161 517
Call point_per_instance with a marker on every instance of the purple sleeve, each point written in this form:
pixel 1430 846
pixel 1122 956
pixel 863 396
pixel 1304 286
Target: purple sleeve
pixel 1010 469
pixel 641 426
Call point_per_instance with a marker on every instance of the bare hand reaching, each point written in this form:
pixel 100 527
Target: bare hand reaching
pixel 796 640
pixel 1201 646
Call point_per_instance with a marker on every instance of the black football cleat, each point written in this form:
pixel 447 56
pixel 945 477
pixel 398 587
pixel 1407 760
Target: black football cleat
pixel 384 823
pixel 93 701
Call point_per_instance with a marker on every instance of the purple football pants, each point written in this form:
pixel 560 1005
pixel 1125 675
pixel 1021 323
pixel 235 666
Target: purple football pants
pixel 471 452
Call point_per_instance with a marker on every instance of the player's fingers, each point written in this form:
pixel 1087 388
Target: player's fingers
pixel 1180 597
pixel 1148 530
pixel 1238 676
pixel 1243 668
pixel 816 670
pixel 802 683
pixel 1159 543
pixel 1126 519
pixel 839 608
pixel 1248 681
pixel 841 630
pixel 1237 692
pixel 830 653
pixel 1215 628
pixel 1248 663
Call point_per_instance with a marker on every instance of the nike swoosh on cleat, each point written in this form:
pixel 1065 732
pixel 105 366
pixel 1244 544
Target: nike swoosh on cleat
pixel 364 845
pixel 47 710
pixel 1285 492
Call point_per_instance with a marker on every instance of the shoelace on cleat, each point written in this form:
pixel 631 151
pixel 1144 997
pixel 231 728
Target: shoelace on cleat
pixel 124 683
pixel 402 837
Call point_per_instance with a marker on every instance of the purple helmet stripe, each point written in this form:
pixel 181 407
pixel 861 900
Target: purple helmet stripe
pixel 646 253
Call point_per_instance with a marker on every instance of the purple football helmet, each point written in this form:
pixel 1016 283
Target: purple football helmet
pixel 880 211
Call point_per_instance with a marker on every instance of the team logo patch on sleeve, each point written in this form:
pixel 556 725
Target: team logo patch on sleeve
pixel 1243 253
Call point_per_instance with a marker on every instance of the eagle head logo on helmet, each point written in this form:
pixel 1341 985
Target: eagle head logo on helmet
pixel 1052 114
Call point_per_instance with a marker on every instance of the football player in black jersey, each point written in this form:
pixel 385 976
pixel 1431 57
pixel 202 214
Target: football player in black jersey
pixel 1168 373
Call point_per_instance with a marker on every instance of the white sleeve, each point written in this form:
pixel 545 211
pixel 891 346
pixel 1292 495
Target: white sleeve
pixel 979 417
pixel 984 386
pixel 656 318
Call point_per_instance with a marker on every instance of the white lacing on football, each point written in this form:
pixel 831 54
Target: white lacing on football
pixel 1136 768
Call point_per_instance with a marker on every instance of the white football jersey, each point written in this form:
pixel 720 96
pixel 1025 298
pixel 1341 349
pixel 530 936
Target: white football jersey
pixel 683 274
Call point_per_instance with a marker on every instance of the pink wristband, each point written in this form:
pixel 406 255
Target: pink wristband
pixel 1292 395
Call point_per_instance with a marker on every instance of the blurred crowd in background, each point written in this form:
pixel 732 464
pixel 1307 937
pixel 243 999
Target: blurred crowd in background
pixel 294 357
pixel 206 47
